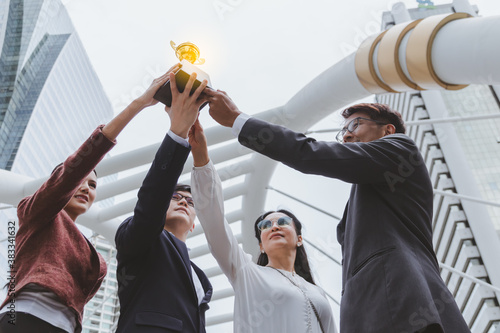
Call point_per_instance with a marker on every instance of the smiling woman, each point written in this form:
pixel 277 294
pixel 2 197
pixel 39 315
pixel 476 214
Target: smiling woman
pixel 83 198
pixel 57 269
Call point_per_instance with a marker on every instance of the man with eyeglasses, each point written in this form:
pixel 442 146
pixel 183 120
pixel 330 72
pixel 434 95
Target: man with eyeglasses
pixel 390 275
pixel 159 288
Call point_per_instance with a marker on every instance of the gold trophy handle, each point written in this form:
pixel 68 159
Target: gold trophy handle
pixel 200 61
pixel 173 45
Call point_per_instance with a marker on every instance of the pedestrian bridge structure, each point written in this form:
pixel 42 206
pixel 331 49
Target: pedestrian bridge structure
pixel 406 66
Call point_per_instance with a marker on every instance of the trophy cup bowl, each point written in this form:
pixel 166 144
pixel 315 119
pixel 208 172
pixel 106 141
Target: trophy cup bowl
pixel 189 56
pixel 188 51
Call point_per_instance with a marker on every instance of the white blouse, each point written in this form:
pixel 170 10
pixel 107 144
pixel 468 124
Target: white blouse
pixel 265 300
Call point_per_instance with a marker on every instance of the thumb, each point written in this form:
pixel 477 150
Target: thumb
pixel 198 124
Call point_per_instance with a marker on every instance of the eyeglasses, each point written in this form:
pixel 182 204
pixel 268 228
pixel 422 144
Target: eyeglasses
pixel 267 224
pixel 178 197
pixel 352 126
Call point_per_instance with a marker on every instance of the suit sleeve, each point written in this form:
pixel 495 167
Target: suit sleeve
pixel 137 233
pixel 207 193
pixel 359 163
pixel 56 192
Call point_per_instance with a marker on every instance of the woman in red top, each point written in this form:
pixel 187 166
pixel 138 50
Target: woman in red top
pixel 56 269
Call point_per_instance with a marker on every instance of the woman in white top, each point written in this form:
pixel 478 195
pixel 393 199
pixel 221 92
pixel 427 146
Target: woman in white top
pixel 278 293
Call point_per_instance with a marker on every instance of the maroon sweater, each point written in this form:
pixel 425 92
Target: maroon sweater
pixel 50 250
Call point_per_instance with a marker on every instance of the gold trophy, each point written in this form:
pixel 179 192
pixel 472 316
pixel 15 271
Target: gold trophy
pixel 189 55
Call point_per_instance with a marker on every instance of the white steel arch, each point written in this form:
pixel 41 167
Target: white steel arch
pixel 336 87
pixel 349 80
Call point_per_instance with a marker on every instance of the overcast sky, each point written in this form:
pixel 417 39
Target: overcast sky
pixel 260 51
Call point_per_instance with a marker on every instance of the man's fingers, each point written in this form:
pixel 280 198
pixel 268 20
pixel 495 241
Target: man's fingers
pixel 202 100
pixel 173 84
pixel 189 84
pixel 198 92
pixel 197 125
pixel 199 102
pixel 210 92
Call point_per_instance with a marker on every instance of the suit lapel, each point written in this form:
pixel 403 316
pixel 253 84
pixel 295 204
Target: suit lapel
pixel 182 251
pixel 181 248
pixel 207 286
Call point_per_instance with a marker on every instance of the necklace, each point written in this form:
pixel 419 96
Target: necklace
pixel 309 303
pixel 293 270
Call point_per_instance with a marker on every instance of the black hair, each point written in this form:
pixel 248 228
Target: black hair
pixel 182 187
pixel 57 166
pixel 301 264
pixel 379 112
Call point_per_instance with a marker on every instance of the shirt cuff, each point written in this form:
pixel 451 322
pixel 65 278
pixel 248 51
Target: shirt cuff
pixel 206 166
pixel 238 123
pixel 178 139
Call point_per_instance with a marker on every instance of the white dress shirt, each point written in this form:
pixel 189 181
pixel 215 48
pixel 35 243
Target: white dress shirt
pixel 180 140
pixel 238 123
pixel 200 292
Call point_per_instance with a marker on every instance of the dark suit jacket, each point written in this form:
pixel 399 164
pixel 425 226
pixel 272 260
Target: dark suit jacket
pixel 156 289
pixel 390 274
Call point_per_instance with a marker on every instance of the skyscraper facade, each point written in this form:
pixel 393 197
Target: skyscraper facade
pixel 50 97
pixel 102 312
pixel 50 101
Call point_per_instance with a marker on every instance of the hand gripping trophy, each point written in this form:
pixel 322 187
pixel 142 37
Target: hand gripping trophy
pixel 189 55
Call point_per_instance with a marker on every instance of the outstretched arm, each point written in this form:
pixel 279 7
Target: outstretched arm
pixel 365 162
pixel 137 234
pixel 359 162
pixel 118 123
pixel 56 192
pixel 209 204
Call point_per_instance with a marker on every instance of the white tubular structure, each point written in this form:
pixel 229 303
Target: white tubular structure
pixel 440 52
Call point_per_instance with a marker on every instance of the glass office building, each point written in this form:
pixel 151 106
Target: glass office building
pixel 102 312
pixel 50 96
pixel 50 101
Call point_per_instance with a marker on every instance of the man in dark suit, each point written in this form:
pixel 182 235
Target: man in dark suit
pixel 390 274
pixel 159 288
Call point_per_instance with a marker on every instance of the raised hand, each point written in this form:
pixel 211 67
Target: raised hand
pixel 222 108
pixel 118 123
pixel 184 109
pixel 198 142
pixel 146 99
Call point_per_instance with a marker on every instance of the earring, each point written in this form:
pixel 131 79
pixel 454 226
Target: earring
pixel 262 251
pixel 299 244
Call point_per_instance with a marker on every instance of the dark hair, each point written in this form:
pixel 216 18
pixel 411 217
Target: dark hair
pixel 183 188
pixel 57 166
pixel 301 264
pixel 380 112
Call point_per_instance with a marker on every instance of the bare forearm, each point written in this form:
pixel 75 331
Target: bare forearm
pixel 200 157
pixel 118 123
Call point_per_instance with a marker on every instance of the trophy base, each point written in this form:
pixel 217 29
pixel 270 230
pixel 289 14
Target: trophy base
pixel 164 94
